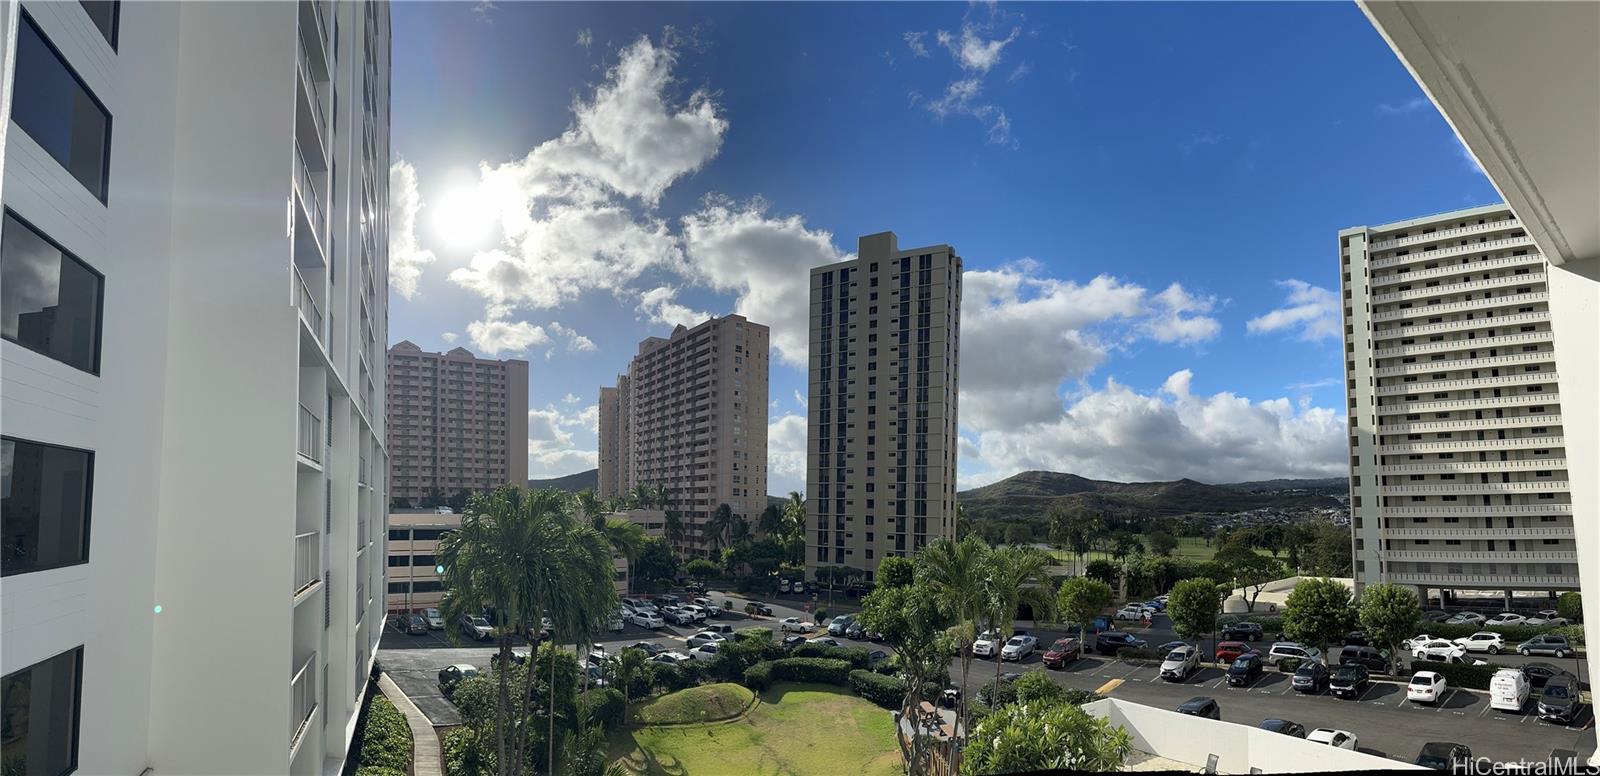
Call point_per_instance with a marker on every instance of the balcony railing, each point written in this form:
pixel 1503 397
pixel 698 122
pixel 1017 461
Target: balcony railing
pixel 361 532
pixel 1463 344
pixel 1470 424
pixel 1518 443
pixel 1458 364
pixel 307 561
pixel 1491 581
pixel 309 437
pixel 1542 532
pixel 308 304
pixel 310 195
pixel 1420 387
pixel 1422 237
pixel 1460 467
pixel 308 75
pixel 1452 250
pixel 1457 288
pixel 1462 306
pixel 361 471
pixel 1451 510
pixel 303 699
pixel 1484 402
pixel 1545 486
pixel 1395 332
pixel 1481 556
pixel 1455 269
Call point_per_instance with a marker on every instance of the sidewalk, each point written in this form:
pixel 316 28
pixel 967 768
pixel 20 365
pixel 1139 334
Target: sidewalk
pixel 425 753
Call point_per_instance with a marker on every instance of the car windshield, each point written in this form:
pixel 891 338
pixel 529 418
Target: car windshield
pixel 1308 669
pixel 1062 645
pixel 1243 661
pixel 1177 654
pixel 1555 691
pixel 479 621
pixel 1016 641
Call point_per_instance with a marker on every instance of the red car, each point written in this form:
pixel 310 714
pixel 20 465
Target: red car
pixel 1228 651
pixel 1062 652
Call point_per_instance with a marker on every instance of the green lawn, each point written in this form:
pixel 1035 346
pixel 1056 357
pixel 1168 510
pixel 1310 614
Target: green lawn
pixel 1190 548
pixel 707 703
pixel 796 729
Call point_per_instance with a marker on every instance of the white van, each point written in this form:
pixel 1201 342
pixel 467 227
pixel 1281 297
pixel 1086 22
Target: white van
pixel 1508 690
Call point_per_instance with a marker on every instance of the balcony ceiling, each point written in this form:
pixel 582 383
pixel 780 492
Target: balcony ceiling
pixel 1517 81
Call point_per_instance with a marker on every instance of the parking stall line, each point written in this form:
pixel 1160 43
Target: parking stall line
pixel 1485 710
pixel 1363 696
pixel 1442 701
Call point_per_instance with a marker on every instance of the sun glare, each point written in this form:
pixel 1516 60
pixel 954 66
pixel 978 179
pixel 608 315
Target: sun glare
pixel 463 217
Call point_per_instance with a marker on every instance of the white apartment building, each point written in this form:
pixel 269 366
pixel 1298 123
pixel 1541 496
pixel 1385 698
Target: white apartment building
pixel 191 382
pixel 1458 465
pixel 885 353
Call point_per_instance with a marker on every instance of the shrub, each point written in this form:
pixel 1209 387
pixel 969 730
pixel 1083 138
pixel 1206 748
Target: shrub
pixel 385 738
pixel 811 669
pixel 670 678
pixel 886 691
pixel 378 770
pixel 602 706
pixel 1458 675
pixel 1079 697
pixel 989 696
pixel 822 615
pixel 465 754
pixel 759 676
pixel 1570 606
pixel 856 656
pixel 1036 686
pixel 1289 665
pixel 1138 657
pixel 1574 634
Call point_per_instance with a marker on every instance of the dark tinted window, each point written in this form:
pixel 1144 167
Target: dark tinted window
pixel 58 111
pixel 49 300
pixel 104 15
pixel 1555 690
pixel 44 513
pixel 39 716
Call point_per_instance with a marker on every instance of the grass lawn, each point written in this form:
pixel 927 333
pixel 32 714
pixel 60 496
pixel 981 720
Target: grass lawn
pixel 697 704
pixel 1190 548
pixel 796 729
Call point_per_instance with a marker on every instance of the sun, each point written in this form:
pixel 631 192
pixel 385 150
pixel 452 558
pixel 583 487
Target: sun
pixel 463 217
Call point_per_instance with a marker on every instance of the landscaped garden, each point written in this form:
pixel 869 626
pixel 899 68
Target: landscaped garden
pixel 790 729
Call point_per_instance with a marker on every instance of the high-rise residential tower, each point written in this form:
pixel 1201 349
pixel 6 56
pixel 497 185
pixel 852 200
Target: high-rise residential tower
pixel 691 417
pixel 1458 472
pixel 195 267
pixel 881 437
pixel 456 422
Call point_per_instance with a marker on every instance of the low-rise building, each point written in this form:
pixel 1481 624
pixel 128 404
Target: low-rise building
pixel 414 581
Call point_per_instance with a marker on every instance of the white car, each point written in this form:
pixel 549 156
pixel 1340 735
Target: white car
pixel 1338 739
pixel 987 643
pixel 614 622
pixel 1018 647
pixel 672 658
pixel 1438 649
pixel 1472 618
pixel 647 619
pixel 783 585
pixel 698 613
pixel 1289 649
pixel 1180 663
pixel 712 610
pixel 827 640
pixel 1483 641
pixel 1418 640
pixel 435 621
pixel 796 625
pixel 1548 622
pixel 1506 618
pixel 598 655
pixel 476 628
pixel 703 652
pixel 704 637
pixel 1135 612
pixel 1425 687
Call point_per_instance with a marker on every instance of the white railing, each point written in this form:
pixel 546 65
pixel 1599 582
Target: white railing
pixel 303 699
pixel 361 532
pixel 1543 532
pixel 1422 237
pixel 1452 250
pixel 1552 464
pixel 309 437
pixel 307 561
pixel 1462 306
pixel 1463 344
pixel 1520 378
pixel 1396 332
pixel 361 470
pixel 1455 269
pixel 1492 511
pixel 1420 367
pixel 313 92
pixel 1483 556
pixel 1494 581
pixel 1470 424
pixel 1457 288
pixel 1474 444
pixel 308 305
pixel 1483 402
pixel 1551 486
pixel 310 195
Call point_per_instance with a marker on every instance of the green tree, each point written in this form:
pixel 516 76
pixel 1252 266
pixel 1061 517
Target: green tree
pixel 895 571
pixel 1080 600
pixel 1570 606
pixel 953 571
pixel 657 566
pixel 629 664
pixel 1040 736
pixel 1318 612
pixel 642 496
pixel 1251 572
pixel 673 529
pixel 701 569
pixel 1103 570
pixel 1389 614
pixel 1014 577
pixel 912 619
pixel 770 523
pixel 590 506
pixel 458 502
pixel 1193 607
pixel 1162 543
pixel 625 537
pixel 717 529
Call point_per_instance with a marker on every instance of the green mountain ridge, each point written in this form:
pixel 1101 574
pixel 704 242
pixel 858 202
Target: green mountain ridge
pixel 1028 495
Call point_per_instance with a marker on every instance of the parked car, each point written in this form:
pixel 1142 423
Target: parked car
pixel 1437 649
pixel 855 631
pixel 1135 612
pixel 1506 618
pixel 1338 739
pixel 649 648
pixel 712 610
pixel 598 655
pixel 796 625
pixel 1354 638
pixel 1436 615
pixel 719 627
pixel 519 655
pixel 1425 687
pixel 876 657
pixel 476 628
pixel 698 612
pixel 1472 618
pixel 1109 642
pixel 950 698
pixel 671 658
pixel 1509 689
pixel 1540 673
pixel 668 599
pixel 826 640
pixel 647 619
pixel 703 652
pixel 1548 622
pixel 1180 663
pixel 1099 625
pixel 1444 756
pixel 676 616
pixel 791 641
pixel 1242 631
pixel 987 644
pixel 1019 647
pixel 1227 651
pixel 839 625
pixel 411 624
pixel 1283 726
pixel 1459 658
pixel 614 622
pixel 1483 641
pixel 1156 605
pixel 1288 649
pixel 1201 707
pixel 1310 677
pixel 1372 658
pixel 1061 652
pixel 1349 680
pixel 783 585
pixel 435 620
pixel 1560 700
pixel 450 676
pixel 703 637
pixel 1546 644
pixel 1244 669
pixel 1171 645
pixel 756 607
pixel 1418 640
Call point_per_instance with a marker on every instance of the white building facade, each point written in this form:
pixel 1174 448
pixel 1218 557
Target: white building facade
pixel 195 266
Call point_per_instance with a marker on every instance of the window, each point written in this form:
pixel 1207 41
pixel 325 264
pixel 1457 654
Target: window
pixel 52 104
pixel 40 720
pixel 104 14
pixel 45 514
pixel 49 300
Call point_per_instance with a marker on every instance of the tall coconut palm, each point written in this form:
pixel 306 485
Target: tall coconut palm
pixel 1010 578
pixel 673 528
pixel 794 518
pixel 626 539
pixel 642 496
pixel 659 496
pixel 717 529
pixel 739 531
pixel 590 505
pixel 954 569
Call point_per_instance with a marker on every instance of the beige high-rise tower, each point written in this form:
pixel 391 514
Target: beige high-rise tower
pixel 690 416
pixel 456 422
pixel 881 436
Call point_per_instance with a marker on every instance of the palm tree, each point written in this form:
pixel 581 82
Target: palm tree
pixel 590 505
pixel 771 522
pixel 794 518
pixel 673 528
pixel 642 496
pixel 716 529
pixel 1012 577
pixel 526 555
pixel 625 667
pixel 954 570
pixel 739 533
pixel 659 497
pixel 626 539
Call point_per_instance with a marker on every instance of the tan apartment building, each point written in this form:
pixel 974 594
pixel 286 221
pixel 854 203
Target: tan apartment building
pixel 456 422
pixel 881 432
pixel 1458 465
pixel 691 415
pixel 412 549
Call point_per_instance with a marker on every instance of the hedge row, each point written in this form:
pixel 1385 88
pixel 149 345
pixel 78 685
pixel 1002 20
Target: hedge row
pixel 1139 657
pixel 886 691
pixel 856 656
pixel 797 669
pixel 1459 675
pixel 386 738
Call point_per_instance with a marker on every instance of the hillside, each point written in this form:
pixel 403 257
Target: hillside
pixel 1028 495
pixel 572 483
pixel 1329 486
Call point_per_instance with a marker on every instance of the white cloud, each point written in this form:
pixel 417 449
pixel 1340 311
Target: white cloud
pixel 406 256
pixel 1020 72
pixel 585 37
pixel 493 337
pixel 800 399
pixel 1117 433
pixel 449 337
pixel 975 55
pixel 765 260
pixel 786 448
pixel 1400 109
pixel 1197 141
pixel 914 42
pixel 570 398
pixel 575 342
pixel 660 305
pixel 1311 310
pixel 1178 317
pixel 974 52
pixel 552 451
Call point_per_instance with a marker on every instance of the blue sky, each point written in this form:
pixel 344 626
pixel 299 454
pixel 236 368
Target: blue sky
pixel 1146 196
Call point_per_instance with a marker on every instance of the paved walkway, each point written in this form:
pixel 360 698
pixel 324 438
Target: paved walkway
pixel 425 755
